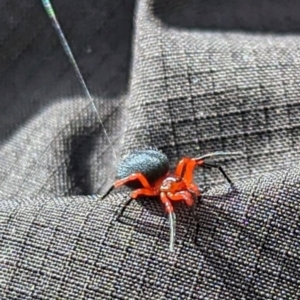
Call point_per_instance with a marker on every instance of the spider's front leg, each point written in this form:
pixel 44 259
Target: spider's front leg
pixel 181 166
pixel 166 199
pixel 191 163
pixel 182 196
pixel 188 197
pixel 185 168
pixel 172 218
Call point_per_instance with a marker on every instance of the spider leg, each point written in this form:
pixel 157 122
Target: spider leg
pixel 172 219
pixel 188 198
pixel 135 194
pixel 195 190
pixel 191 163
pixel 121 211
pixel 193 211
pixel 212 165
pixel 190 201
pixel 183 195
pixel 132 177
pixel 144 192
pixel 108 192
pixel 181 166
pixel 135 176
pixel 196 234
pixel 198 223
pixel 172 222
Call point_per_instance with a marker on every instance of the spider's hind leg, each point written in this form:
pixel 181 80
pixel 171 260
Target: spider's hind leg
pixel 212 165
pixel 108 192
pixel 125 205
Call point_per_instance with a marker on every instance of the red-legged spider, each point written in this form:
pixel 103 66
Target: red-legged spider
pixel 150 168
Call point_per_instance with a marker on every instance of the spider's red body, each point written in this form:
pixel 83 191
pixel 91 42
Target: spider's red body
pixel 170 187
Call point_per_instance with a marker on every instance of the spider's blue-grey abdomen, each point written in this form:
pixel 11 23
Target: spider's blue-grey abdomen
pixel 150 162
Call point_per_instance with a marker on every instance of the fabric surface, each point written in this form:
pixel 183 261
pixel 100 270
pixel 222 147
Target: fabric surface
pixel 187 77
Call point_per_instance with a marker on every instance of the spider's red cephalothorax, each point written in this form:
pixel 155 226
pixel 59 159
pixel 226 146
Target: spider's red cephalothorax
pixel 170 187
pixel 150 169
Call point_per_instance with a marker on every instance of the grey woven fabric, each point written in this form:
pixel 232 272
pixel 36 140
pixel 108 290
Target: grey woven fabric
pixel 187 77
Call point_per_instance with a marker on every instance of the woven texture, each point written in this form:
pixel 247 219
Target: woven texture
pixel 187 77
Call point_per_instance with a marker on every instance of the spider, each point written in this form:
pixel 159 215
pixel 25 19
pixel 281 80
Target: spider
pixel 147 172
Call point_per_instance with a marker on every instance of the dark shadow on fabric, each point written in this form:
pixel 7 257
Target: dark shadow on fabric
pixel 87 167
pixel 34 70
pixel 234 15
pixel 79 168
